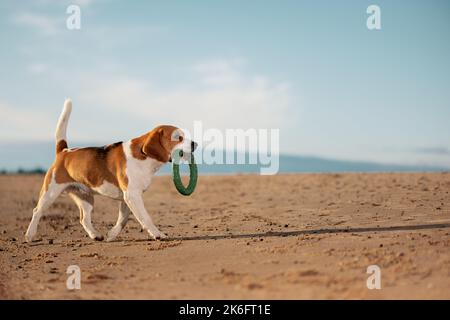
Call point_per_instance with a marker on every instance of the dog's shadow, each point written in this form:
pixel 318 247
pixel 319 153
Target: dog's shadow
pixel 289 233
pixel 313 232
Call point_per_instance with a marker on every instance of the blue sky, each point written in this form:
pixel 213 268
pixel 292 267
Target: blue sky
pixel 311 68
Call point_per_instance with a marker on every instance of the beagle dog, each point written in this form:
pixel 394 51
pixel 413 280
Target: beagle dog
pixel 121 171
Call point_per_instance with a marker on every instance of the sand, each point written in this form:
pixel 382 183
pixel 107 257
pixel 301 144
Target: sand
pixel 302 236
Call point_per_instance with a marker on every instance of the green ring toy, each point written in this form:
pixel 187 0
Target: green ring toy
pixel 185 191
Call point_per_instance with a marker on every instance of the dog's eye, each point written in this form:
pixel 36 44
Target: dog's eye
pixel 180 138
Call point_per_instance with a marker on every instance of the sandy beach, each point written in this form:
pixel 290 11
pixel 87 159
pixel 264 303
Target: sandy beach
pixel 299 236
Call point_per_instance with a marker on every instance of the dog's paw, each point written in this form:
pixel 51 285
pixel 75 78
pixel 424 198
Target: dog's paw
pixel 98 238
pixel 157 235
pixel 162 236
pixel 28 238
pixel 112 234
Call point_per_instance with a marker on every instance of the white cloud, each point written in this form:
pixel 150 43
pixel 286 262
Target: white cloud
pixel 218 92
pixel 219 71
pixel 37 68
pixel 18 123
pixel 82 3
pixel 41 23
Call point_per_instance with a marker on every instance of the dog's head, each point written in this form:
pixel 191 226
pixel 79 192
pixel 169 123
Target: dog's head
pixel 163 140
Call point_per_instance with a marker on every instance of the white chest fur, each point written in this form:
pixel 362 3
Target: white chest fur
pixel 139 172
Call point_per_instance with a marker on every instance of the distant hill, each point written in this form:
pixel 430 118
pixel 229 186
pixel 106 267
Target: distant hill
pixel 293 164
pixel 35 157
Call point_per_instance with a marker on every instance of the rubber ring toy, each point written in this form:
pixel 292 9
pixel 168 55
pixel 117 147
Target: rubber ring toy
pixel 185 191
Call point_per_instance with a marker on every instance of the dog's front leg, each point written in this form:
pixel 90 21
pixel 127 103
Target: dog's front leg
pixel 134 201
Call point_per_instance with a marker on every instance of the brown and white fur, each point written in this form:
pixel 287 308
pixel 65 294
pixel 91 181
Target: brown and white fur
pixel 121 171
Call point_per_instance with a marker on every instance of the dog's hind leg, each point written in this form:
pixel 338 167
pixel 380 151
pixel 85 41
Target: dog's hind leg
pixel 49 192
pixel 85 203
pixel 124 213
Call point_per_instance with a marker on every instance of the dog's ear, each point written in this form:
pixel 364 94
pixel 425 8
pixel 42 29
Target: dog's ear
pixel 153 146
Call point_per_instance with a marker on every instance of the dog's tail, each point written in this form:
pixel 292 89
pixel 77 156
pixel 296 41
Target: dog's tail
pixel 61 128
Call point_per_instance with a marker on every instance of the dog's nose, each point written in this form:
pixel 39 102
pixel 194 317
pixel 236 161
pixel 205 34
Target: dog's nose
pixel 193 145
